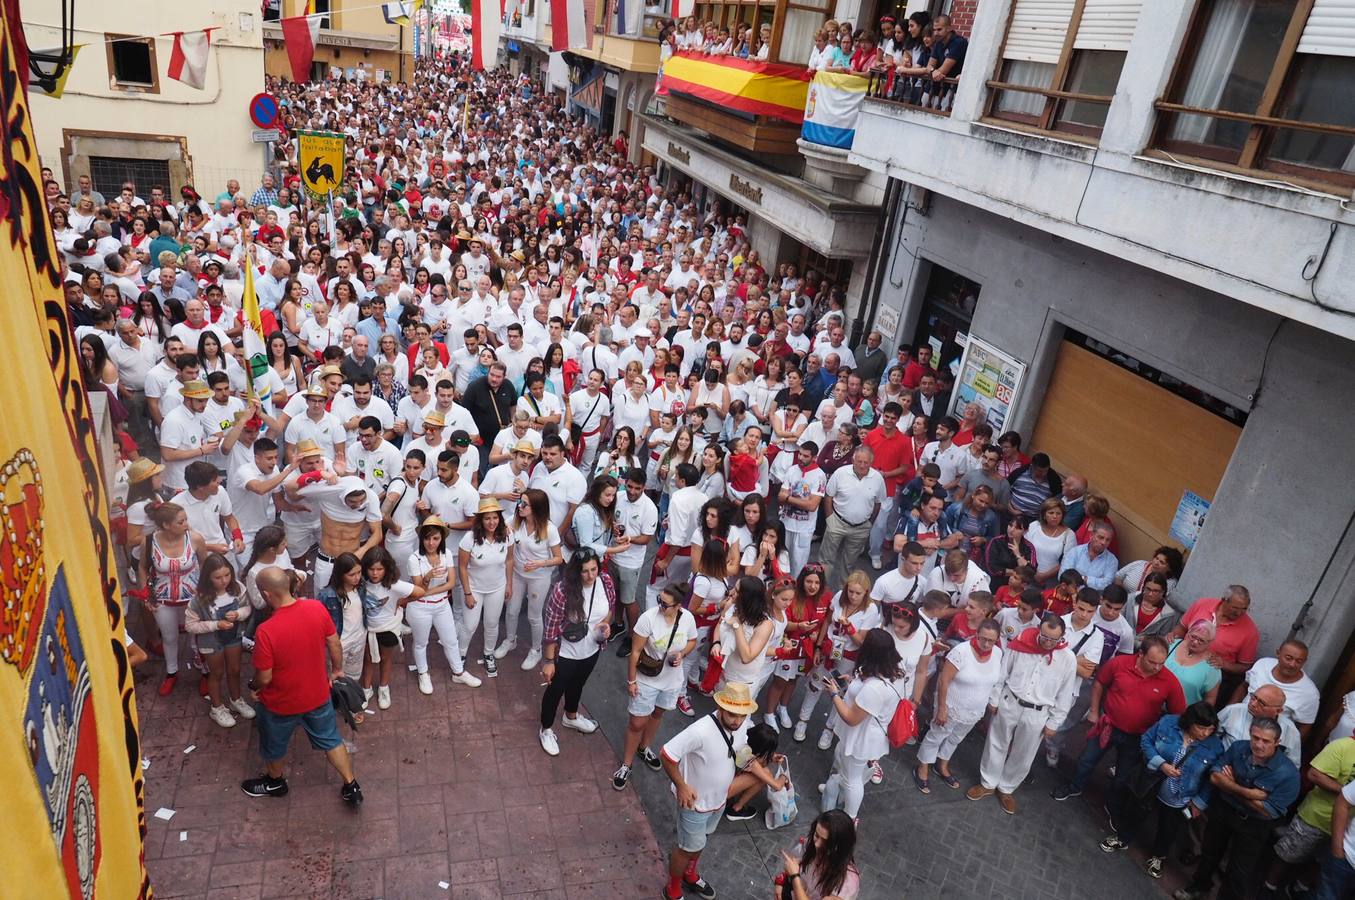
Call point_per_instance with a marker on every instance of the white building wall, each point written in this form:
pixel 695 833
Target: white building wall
pixel 213 123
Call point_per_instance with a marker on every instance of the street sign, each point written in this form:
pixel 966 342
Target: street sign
pixel 263 110
pixel 263 135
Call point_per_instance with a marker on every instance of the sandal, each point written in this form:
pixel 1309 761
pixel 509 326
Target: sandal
pixel 922 783
pixel 950 780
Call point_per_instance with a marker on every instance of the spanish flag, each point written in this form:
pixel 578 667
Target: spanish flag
pixel 769 89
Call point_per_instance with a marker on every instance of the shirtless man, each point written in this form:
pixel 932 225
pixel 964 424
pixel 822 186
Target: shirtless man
pixel 345 506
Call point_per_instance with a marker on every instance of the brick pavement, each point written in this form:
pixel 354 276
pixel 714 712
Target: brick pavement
pixel 457 789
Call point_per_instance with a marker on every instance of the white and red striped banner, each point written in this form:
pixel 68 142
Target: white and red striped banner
pixel 486 17
pixel 188 59
pixel 300 35
pixel 568 26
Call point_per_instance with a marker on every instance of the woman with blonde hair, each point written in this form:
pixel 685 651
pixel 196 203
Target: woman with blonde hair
pixel 1188 660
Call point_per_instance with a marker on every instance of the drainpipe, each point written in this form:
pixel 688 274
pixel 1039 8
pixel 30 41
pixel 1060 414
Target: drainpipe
pixel 875 277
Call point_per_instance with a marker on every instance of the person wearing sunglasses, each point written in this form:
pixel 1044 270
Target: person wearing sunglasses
pixel 580 605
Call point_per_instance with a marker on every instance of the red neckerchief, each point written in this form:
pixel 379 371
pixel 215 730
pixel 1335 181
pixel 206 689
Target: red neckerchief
pixel 980 655
pixel 204 324
pixel 809 468
pixel 1028 642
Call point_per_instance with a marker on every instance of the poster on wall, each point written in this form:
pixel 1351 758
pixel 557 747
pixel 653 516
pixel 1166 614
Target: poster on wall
pixel 887 323
pixel 1189 519
pixel 990 378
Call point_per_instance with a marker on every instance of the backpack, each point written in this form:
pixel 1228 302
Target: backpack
pixel 902 726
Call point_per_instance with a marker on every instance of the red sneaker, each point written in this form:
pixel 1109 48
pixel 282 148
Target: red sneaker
pixel 167 686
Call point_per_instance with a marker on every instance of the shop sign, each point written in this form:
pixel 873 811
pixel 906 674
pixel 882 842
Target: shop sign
pixel 990 378
pixel 745 189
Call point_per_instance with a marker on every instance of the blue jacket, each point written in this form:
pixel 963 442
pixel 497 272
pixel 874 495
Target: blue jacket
pixel 988 522
pixel 334 605
pixel 1162 743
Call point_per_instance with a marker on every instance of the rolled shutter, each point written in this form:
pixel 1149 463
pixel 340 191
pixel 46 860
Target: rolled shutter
pixel 1330 30
pixel 1038 30
pixel 1109 24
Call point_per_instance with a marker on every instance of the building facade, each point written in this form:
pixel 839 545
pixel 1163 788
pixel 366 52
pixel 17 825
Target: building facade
pixel 355 41
pixel 122 118
pixel 1130 236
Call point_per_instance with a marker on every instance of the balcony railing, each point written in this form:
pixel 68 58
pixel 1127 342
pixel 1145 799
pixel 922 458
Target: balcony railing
pixel 914 92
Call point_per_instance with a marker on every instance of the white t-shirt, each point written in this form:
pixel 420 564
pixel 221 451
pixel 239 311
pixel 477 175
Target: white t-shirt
pixel 389 599
pixel 975 579
pixel 868 739
pixel 439 577
pixel 802 484
pixel 486 567
pixel 204 516
pixel 328 432
pixel 705 759
pixel 637 519
pixel 750 556
pixel 862 620
pixel 967 696
pixel 911 650
pixel 895 587
pixel 596 611
pixel 180 430
pixel 1349 843
pixel 1009 620
pixel 1088 649
pixel 453 503
pixel 651 625
pixel 708 590
pixel 1301 699
pixel 403 512
pixel 527 548
pixel 565 487
pixel 253 511
pixel 953 461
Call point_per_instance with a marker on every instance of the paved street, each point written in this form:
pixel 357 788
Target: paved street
pixel 458 790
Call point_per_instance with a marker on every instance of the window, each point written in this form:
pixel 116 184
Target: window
pixel 1265 84
pixel 131 64
pixel 272 10
pixel 109 173
pixel 1061 62
pixel 322 6
pixel 793 23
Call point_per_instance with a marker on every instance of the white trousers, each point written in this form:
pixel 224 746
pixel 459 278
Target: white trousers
pixel 846 785
pixel 489 605
pixel 692 663
pixel 942 740
pixel 813 689
pixel 797 548
pixel 170 620
pixel 324 570
pixel 882 530
pixel 423 618
pixel 532 588
pixel 1013 740
pixel 402 548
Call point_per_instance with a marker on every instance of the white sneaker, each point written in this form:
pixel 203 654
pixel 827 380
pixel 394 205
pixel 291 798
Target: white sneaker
pixel 579 723
pixel 533 657
pixel 466 678
pixel 425 683
pixel 383 698
pixel 826 739
pixel 783 716
pixel 242 708
pixel 801 728
pixel 505 648
pixel 549 743
pixel 367 695
pixel 877 562
pixel 222 716
pixel 770 719
pixel 877 774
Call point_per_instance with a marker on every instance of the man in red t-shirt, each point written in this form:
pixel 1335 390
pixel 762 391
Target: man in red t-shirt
pixel 292 685
pixel 892 460
pixel 1130 694
pixel 1236 638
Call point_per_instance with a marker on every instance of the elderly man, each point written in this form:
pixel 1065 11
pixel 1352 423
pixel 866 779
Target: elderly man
pixel 1263 703
pixel 1285 671
pixel 1074 493
pixel 1093 560
pixel 1253 787
pixel 871 358
pixel 1038 686
pixel 134 356
pixel 1236 638
pixel 854 497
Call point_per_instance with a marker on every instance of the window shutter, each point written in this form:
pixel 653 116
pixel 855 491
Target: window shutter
pixel 1038 29
pixel 1331 29
pixel 1109 24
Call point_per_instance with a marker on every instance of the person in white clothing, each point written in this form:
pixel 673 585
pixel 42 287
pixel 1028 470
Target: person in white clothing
pixel 966 682
pixel 952 459
pixel 852 500
pixel 251 488
pixel 346 508
pixel 399 513
pixel 851 616
pixel 1086 641
pixel 958 576
pixel 507 481
pixel 432 569
pixel 638 519
pixel 864 712
pixel 803 487
pixel 661 639
pixel 536 552
pixel 701 761
pixel 1029 703
pixel 184 436
pixel 486 566
pixel 906 584
pixel 1285 671
pixel 589 411
pixel 373 458
pixel 743 636
pixel 384 596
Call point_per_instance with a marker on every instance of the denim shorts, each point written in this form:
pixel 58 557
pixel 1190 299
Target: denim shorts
pixel 649 697
pixel 693 827
pixel 275 731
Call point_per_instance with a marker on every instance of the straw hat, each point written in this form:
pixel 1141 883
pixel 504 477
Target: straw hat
pixel 434 522
pixel 488 505
pixel 736 698
pixel 317 391
pixel 196 390
pixel 308 447
pixel 463 235
pixel 142 469
pixel 435 419
pixel 328 370
pixel 524 447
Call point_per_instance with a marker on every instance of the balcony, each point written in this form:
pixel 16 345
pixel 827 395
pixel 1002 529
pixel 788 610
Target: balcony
pixel 914 93
pixel 757 107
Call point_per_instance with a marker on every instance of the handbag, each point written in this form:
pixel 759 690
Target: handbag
pixel 649 666
pixel 1146 782
pixel 577 631
pixel 781 805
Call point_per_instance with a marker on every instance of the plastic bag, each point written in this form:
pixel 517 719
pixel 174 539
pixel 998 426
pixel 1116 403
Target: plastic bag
pixel 781 806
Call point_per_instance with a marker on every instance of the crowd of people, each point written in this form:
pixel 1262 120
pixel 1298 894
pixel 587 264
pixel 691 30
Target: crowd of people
pixel 510 372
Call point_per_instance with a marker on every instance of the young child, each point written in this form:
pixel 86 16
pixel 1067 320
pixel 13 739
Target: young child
pixel 1059 599
pixel 743 469
pixel 928 481
pixel 964 626
pixel 1026 614
pixel 660 439
pixel 1018 579
pixel 696 421
pixel 214 617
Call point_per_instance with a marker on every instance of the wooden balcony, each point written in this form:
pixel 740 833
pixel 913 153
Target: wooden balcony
pixel 757 107
pixel 755 134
